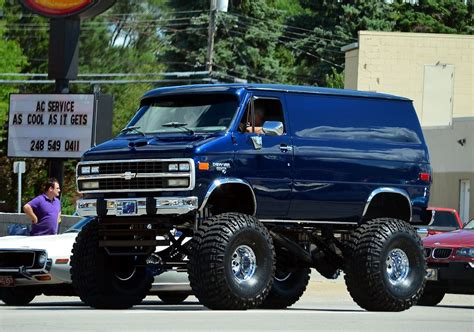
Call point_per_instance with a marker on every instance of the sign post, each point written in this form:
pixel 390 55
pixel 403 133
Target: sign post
pixel 19 167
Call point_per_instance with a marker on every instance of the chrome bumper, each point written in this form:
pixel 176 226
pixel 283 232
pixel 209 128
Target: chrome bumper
pixel 115 206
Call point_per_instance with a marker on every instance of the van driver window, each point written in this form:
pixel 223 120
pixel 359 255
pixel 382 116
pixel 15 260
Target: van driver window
pixel 265 110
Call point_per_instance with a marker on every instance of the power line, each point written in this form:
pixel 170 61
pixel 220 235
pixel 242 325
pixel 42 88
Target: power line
pixel 298 49
pixel 248 18
pixel 165 74
pixel 92 82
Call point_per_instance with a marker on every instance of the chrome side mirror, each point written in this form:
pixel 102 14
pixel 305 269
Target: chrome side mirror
pixel 273 128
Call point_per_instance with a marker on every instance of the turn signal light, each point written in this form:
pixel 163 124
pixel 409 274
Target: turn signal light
pixel 44 277
pixel 61 261
pixel 203 166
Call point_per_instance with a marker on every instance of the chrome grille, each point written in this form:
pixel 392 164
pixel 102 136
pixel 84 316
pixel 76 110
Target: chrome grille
pixel 12 259
pixel 134 175
pixel 134 167
pixel 442 252
pixel 133 184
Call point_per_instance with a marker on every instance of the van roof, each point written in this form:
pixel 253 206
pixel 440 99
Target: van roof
pixel 233 88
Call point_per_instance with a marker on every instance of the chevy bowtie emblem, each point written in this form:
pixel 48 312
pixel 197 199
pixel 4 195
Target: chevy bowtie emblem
pixel 129 175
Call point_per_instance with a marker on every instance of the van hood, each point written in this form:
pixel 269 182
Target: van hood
pixel 165 146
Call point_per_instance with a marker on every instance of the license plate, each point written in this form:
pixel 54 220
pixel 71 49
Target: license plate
pixel 432 274
pixel 127 207
pixel 7 281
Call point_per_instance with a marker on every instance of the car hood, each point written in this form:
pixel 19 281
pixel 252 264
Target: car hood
pixel 55 245
pixel 459 238
pixel 170 146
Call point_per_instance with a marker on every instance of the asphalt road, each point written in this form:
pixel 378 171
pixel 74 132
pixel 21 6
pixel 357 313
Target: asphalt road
pixel 326 305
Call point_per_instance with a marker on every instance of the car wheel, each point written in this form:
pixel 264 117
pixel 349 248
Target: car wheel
pixel 103 281
pixel 289 284
pixel 17 296
pixel 431 297
pixel 172 298
pixel 231 262
pixel 385 267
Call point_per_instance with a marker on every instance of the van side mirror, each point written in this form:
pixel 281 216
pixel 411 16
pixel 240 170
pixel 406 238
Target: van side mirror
pixel 273 128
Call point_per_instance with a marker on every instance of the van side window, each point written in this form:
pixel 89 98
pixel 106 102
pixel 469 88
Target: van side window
pixel 265 110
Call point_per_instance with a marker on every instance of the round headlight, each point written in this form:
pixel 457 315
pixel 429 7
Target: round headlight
pixel 42 259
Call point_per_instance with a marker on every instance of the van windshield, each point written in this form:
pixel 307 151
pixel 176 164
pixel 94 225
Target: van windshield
pixel 186 113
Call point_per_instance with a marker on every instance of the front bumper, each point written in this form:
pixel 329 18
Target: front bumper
pixel 455 277
pixel 136 206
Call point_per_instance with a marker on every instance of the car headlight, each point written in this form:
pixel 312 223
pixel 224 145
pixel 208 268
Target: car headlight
pixel 90 185
pixel 465 252
pixel 85 170
pixel 173 167
pixel 42 259
pixel 184 167
pixel 178 182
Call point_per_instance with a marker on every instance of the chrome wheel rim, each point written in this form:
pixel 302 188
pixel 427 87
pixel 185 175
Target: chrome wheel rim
pixel 397 266
pixel 244 263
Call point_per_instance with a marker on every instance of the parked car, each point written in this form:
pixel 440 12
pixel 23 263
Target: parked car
pixel 442 220
pixel 450 258
pixel 35 265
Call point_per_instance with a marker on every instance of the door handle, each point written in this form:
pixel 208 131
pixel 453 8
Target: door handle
pixel 286 148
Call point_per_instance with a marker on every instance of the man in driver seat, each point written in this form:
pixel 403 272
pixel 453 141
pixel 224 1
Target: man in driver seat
pixel 259 120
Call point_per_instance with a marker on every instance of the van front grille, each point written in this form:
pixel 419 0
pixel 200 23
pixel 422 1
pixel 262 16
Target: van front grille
pixel 135 175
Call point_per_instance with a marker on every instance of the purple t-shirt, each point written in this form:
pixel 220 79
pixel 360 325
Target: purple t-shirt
pixel 47 212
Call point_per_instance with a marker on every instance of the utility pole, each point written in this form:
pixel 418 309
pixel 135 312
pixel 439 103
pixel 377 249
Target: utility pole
pixel 210 39
pixel 216 6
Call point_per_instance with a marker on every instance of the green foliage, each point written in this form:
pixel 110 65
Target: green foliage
pixel 335 79
pixel 434 16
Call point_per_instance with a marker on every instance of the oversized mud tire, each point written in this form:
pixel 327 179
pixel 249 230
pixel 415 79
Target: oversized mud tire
pixel 172 297
pixel 431 296
pixel 103 281
pixel 231 262
pixel 288 286
pixel 18 296
pixel 385 267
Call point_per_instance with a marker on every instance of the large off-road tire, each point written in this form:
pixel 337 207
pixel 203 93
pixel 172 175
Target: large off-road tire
pixel 17 296
pixel 431 296
pixel 103 281
pixel 172 297
pixel 231 262
pixel 288 286
pixel 385 265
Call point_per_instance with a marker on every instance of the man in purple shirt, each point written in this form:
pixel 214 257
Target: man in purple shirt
pixel 45 210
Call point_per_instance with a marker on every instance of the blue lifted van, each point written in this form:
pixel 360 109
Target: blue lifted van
pixel 268 181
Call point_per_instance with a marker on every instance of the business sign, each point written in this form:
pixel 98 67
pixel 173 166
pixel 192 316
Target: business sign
pixel 50 125
pixel 66 8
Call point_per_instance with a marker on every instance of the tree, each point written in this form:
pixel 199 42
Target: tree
pixel 434 16
pixel 122 40
pixel 11 61
pixel 247 41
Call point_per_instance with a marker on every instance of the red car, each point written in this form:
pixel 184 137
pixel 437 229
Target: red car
pixel 450 259
pixel 442 220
